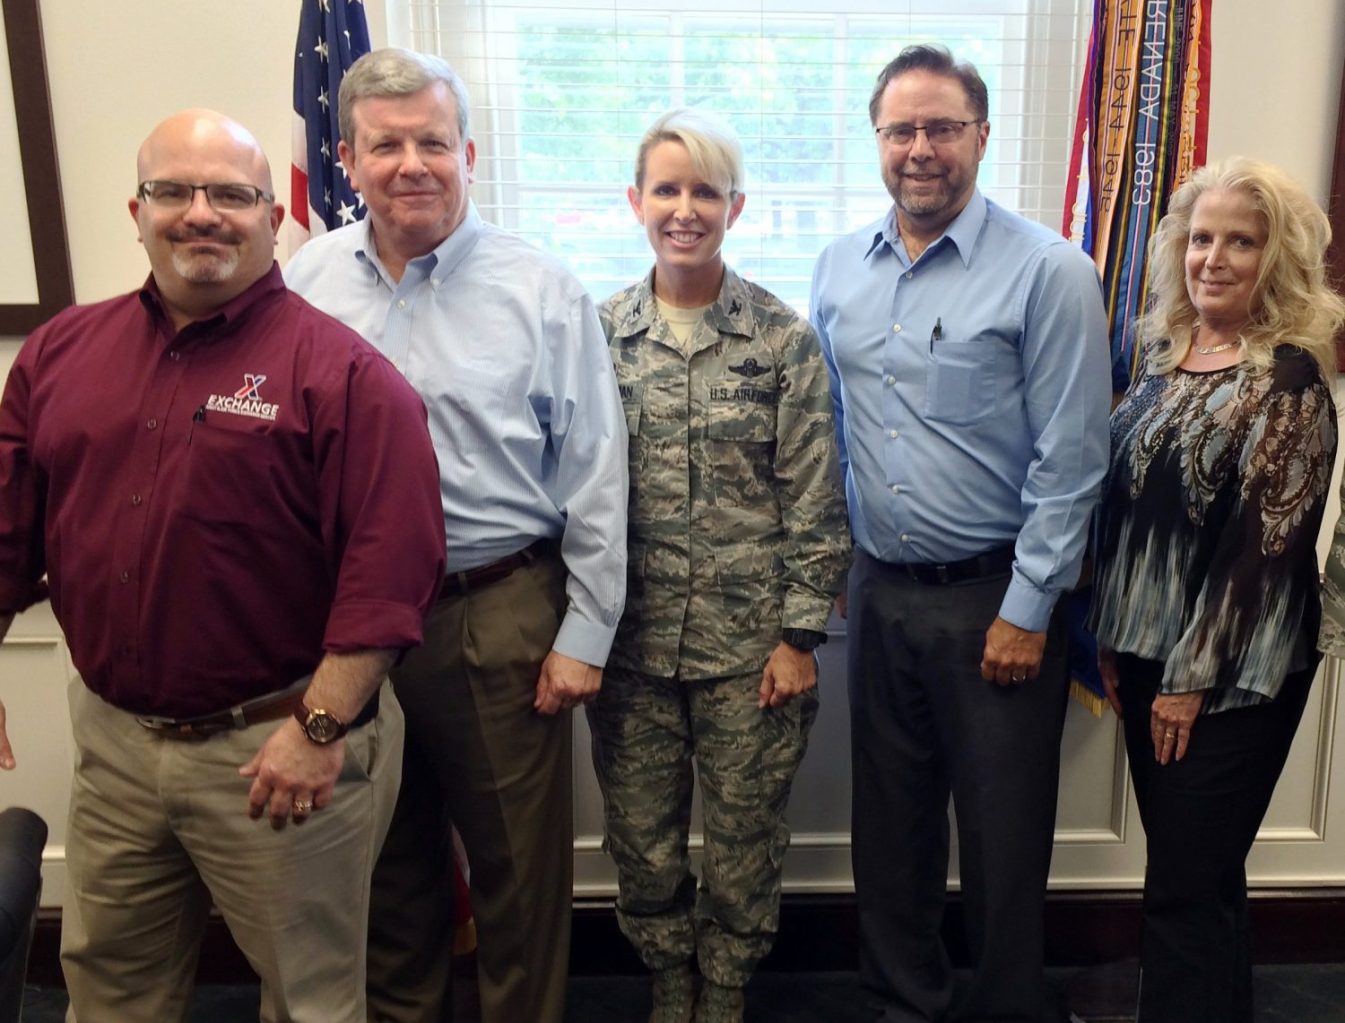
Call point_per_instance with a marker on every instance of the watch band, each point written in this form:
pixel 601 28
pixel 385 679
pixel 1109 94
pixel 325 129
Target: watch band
pixel 806 640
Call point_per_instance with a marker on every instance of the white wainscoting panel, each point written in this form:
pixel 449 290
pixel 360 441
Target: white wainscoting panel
pixel 1099 842
pixel 35 672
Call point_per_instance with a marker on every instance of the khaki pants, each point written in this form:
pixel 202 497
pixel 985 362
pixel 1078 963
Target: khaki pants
pixel 480 757
pixel 159 829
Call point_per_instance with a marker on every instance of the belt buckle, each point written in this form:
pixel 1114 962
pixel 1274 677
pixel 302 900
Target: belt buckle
pixel 170 729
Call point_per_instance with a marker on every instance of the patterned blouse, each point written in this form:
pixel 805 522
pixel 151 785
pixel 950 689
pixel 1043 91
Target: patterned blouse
pixel 1206 535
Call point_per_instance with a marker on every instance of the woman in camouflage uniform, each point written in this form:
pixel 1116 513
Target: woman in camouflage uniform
pixel 738 547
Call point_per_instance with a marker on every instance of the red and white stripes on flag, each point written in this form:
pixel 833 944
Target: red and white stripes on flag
pixel 333 34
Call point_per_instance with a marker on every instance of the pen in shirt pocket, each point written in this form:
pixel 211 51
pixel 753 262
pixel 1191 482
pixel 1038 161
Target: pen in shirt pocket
pixel 197 417
pixel 936 334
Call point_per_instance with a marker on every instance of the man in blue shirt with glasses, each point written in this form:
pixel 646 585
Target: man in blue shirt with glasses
pixel 968 355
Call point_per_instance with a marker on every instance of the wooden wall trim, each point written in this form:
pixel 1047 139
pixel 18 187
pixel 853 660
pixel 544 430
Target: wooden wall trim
pixel 1336 201
pixel 41 175
pixel 1335 210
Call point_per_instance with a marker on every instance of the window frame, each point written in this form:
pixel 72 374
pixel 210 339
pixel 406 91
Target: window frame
pixel 1042 54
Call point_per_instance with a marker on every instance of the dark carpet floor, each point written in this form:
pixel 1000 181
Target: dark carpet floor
pixel 1284 994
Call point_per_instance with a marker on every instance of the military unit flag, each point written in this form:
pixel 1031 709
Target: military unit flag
pixel 1141 130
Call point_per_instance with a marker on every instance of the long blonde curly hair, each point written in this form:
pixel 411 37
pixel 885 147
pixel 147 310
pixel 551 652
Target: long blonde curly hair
pixel 1291 301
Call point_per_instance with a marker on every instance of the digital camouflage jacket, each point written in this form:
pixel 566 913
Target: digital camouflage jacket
pixel 737 524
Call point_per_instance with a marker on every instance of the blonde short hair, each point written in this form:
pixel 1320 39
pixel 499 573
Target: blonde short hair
pixel 716 154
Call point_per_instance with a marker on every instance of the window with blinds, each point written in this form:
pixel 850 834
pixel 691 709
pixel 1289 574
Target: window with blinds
pixel 562 90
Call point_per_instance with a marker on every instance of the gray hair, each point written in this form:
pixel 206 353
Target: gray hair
pixel 392 72
pixel 716 154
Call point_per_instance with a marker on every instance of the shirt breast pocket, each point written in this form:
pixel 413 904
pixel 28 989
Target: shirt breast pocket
pixel 241 474
pixel 471 404
pixel 742 413
pixel 634 407
pixel 632 401
pixel 965 381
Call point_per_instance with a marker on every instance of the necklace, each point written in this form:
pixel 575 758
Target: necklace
pixel 1211 349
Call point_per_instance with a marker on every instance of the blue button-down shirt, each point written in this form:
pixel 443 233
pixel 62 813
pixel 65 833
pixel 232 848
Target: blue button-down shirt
pixel 506 349
pixel 971 393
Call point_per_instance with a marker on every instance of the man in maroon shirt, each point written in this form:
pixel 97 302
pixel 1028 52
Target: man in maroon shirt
pixel 235 502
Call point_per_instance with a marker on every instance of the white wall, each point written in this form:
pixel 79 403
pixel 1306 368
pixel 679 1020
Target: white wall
pixel 116 69
pixel 1276 84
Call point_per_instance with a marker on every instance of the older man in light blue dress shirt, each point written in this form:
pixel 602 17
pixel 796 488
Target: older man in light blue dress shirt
pixel 506 349
pixel 968 354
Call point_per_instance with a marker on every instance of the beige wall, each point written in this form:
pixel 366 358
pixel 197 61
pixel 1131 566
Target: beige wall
pixel 116 69
pixel 1276 85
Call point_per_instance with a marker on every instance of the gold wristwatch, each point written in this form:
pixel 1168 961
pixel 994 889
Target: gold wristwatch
pixel 321 726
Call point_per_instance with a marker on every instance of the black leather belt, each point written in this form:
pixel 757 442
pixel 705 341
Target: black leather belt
pixel 271 707
pixel 457 583
pixel 995 562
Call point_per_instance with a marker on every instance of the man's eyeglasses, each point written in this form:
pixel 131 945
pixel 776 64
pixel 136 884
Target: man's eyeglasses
pixel 224 198
pixel 939 133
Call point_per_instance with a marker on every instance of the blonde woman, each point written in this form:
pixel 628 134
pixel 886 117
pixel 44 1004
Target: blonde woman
pixel 738 547
pixel 1206 601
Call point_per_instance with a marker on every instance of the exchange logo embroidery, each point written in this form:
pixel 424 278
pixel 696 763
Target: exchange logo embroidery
pixel 749 368
pixel 246 401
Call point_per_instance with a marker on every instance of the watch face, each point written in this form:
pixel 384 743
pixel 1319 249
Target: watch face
pixel 322 727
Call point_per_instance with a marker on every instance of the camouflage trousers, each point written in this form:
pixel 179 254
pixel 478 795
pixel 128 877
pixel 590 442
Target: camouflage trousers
pixel 647 731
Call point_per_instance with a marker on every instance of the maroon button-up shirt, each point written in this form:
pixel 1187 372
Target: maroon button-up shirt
pixel 214 508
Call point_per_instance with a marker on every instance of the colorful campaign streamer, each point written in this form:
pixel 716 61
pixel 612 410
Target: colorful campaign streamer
pixel 1141 130
pixel 1142 124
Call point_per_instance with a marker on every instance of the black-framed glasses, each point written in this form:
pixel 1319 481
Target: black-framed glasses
pixel 939 133
pixel 224 198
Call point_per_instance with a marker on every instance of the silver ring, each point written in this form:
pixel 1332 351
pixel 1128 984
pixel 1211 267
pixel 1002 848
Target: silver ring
pixel 1017 678
pixel 1169 734
pixel 303 806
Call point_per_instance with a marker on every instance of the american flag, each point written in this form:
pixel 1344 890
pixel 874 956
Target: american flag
pixel 332 35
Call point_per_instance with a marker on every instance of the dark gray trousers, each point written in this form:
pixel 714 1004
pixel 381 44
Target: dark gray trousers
pixel 925 725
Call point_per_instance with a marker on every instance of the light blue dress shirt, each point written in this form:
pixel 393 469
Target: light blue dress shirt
pixel 505 347
pixel 971 390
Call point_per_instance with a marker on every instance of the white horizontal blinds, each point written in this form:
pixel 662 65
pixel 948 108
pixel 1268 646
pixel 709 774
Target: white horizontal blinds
pixel 562 92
